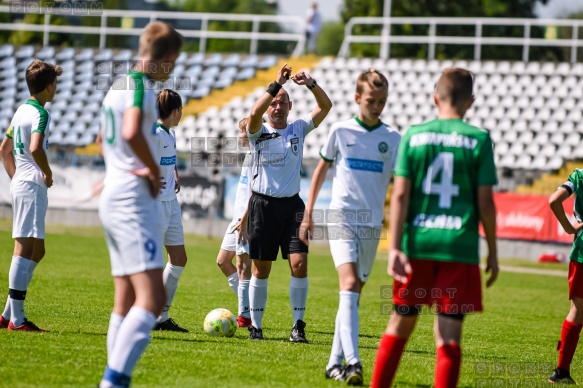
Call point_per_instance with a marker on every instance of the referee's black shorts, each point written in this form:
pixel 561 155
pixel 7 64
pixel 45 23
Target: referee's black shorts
pixel 274 223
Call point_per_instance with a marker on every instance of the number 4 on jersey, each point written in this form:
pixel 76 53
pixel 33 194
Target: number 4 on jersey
pixel 18 142
pixel 445 188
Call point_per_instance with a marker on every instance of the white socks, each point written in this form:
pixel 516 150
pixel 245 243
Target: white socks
pixel 31 267
pixel 114 323
pixel 133 336
pixel 234 282
pixel 171 276
pixel 18 280
pixel 257 300
pixel 337 354
pixel 243 297
pixel 298 294
pixel 348 314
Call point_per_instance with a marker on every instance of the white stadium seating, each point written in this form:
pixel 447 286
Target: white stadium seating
pixel 532 110
pixel 75 112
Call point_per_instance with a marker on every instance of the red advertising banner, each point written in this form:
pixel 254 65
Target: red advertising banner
pixel 529 217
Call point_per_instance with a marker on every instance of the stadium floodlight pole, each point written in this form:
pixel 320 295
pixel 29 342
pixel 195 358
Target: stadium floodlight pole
pixel 385 45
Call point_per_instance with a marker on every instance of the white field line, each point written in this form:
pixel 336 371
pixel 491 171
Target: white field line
pixel 531 271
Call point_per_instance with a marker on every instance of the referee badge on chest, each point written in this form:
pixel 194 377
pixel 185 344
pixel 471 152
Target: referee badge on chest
pixel 295 145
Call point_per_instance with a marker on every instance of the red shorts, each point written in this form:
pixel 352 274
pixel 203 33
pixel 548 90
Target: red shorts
pixel 575 279
pixel 449 288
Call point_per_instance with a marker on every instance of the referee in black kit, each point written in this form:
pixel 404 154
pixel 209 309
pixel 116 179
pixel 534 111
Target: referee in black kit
pixel 275 207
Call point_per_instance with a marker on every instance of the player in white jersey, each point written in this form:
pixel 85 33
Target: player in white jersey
pixel 128 208
pixel 275 207
pixel 24 157
pixel 364 152
pixel 170 109
pixel 234 244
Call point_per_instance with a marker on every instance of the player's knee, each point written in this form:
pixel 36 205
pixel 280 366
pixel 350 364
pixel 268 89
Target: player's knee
pixel 38 255
pixel 407 311
pixel 351 283
pixel 299 267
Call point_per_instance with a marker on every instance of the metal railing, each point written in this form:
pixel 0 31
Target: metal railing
pixel 478 40
pixel 204 34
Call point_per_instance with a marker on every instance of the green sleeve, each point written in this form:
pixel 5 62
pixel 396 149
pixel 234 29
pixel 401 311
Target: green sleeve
pixel 43 119
pixel 486 168
pixel 403 167
pixel 138 100
pixel 576 179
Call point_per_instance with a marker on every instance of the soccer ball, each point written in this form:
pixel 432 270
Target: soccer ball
pixel 220 322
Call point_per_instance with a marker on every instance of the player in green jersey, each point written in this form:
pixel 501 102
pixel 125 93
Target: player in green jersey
pixel 443 188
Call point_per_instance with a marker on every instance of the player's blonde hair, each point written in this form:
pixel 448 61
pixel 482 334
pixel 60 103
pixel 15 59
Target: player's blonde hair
pixel 40 74
pixel 168 101
pixel 455 86
pixel 374 78
pixel 158 40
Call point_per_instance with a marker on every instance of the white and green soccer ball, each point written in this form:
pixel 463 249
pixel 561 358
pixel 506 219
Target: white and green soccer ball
pixel 220 322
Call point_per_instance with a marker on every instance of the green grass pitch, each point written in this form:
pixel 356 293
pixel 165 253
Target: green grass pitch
pixel 72 295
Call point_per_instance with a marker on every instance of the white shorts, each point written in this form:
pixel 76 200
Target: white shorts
pixel 230 241
pixel 354 244
pixel 171 223
pixel 132 232
pixel 29 205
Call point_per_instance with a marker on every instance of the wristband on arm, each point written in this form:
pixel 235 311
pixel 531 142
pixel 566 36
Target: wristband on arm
pixel 273 89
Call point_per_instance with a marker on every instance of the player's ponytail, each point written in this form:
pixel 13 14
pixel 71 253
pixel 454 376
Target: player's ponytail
pixel 168 101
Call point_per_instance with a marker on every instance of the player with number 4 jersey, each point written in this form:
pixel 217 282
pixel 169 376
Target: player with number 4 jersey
pixel 443 189
pixel 24 157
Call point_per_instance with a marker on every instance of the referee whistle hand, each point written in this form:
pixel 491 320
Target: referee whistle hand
pixel 399 266
pixel 283 74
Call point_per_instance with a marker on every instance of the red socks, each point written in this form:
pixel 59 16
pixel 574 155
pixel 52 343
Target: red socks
pixel 388 357
pixel 568 343
pixel 447 366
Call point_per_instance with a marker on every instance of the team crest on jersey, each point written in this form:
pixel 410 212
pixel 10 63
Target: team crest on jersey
pixel 295 145
pixel 383 147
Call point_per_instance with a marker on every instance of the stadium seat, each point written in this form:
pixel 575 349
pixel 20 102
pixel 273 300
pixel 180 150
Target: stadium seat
pixel 65 54
pixel 46 53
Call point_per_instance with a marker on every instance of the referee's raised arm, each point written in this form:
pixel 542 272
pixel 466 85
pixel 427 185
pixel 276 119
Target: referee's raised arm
pixel 324 103
pixel 256 116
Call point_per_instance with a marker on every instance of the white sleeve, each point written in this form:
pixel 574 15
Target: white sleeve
pixel 307 124
pixel 254 136
pixel 330 149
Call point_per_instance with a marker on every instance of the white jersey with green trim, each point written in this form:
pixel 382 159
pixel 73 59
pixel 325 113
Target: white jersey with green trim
pixel 120 160
pixel 30 117
pixel 365 158
pixel 166 161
